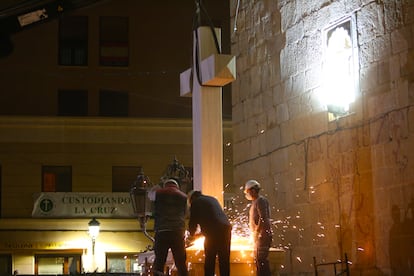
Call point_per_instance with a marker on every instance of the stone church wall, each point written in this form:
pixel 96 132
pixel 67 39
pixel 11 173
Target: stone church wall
pixel 341 184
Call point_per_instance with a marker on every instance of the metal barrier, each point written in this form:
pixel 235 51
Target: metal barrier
pixel 344 266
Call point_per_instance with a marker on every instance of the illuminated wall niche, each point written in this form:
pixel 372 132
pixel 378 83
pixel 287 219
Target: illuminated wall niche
pixel 340 67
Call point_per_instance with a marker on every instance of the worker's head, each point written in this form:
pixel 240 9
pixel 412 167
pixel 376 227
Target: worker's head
pixel 251 189
pixel 192 195
pixel 171 182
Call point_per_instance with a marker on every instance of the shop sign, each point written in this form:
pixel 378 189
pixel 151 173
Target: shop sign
pixel 70 205
pixel 33 245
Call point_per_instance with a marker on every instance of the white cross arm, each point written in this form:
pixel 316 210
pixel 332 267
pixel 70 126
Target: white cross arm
pixel 216 70
pixel 185 83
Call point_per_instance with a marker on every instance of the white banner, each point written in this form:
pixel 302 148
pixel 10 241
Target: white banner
pixel 71 205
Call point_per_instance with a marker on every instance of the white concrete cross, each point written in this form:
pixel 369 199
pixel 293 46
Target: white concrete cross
pixel 215 70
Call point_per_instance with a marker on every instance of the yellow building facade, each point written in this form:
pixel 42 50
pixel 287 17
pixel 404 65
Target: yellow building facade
pixel 33 238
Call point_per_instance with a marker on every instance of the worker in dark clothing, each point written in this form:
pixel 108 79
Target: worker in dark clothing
pixel 206 212
pixel 170 208
pixel 260 227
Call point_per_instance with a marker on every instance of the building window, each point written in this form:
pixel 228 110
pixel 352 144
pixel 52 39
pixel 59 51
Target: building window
pixel 5 264
pixel 73 41
pixel 113 103
pixel 114 41
pixel 123 177
pixel 72 103
pixel 340 67
pixel 56 179
pixel 57 264
pixel 122 263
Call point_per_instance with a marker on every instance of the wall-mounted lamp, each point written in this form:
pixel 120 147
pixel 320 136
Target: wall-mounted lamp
pixel 93 232
pixel 340 67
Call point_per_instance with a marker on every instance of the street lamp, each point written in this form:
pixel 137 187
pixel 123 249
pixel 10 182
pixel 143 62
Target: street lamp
pixel 140 201
pixel 142 189
pixel 93 232
pixel 177 171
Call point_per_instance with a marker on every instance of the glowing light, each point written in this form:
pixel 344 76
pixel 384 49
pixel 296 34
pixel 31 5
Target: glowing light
pixel 241 250
pixel 338 85
pixel 198 243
